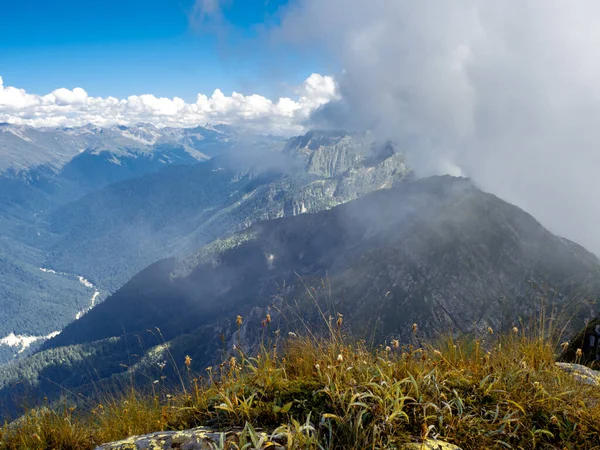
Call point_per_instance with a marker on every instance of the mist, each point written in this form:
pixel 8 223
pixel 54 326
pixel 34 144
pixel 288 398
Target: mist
pixel 506 93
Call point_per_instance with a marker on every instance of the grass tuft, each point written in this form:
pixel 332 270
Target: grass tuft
pixel 307 392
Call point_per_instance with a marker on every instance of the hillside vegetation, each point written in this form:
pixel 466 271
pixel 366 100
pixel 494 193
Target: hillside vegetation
pixel 136 195
pixel 437 252
pixel 311 392
pixel 113 233
pixel 44 170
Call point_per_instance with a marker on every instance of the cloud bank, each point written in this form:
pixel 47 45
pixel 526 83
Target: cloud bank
pixel 65 107
pixel 507 92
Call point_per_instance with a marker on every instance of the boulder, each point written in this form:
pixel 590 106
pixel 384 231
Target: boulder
pixel 194 439
pixel 200 438
pixel 430 444
pixel 588 342
pixel 206 439
pixel 581 373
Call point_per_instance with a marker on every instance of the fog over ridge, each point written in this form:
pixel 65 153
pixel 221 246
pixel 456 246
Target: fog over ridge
pixel 507 93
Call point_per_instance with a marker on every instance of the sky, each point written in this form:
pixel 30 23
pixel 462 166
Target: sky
pixel 506 93
pixel 167 62
pixel 133 47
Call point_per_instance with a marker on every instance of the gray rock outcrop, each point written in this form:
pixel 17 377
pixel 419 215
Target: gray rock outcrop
pixel 581 373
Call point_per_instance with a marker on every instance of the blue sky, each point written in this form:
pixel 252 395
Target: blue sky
pixel 128 47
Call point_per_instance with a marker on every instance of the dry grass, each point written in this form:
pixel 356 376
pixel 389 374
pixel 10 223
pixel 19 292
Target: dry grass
pixel 335 393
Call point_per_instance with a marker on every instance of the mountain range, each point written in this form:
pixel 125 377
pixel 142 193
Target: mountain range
pixel 435 252
pixel 24 147
pixel 438 252
pixel 74 231
pixel 113 265
pixel 42 170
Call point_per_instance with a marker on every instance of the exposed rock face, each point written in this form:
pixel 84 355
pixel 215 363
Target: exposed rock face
pixel 581 373
pixel 194 439
pixel 205 439
pixel 588 341
pixel 332 153
pixel 430 444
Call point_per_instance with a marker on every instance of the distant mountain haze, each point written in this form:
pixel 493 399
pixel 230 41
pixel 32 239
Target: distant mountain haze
pixel 44 169
pixel 140 194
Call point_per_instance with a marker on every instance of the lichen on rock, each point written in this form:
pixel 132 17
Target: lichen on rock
pixel 195 439
pixel 581 373
pixel 430 444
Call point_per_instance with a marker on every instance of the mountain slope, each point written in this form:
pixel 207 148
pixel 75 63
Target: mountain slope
pixel 23 147
pixel 44 169
pixel 134 214
pixel 437 252
pixel 113 233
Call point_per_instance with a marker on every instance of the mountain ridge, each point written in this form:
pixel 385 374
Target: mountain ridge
pixel 437 252
pixel 409 254
pixel 106 221
pixel 376 233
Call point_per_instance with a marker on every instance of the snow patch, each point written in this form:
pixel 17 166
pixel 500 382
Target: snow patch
pixel 19 134
pixel 93 302
pixel 85 282
pixel 150 141
pixel 23 342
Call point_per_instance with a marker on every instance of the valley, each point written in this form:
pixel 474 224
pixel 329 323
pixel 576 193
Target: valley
pixel 17 345
pixel 107 231
pixel 42 169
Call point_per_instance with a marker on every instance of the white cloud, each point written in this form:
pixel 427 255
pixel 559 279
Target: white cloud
pixel 64 97
pixel 506 92
pixel 64 107
pixel 13 99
